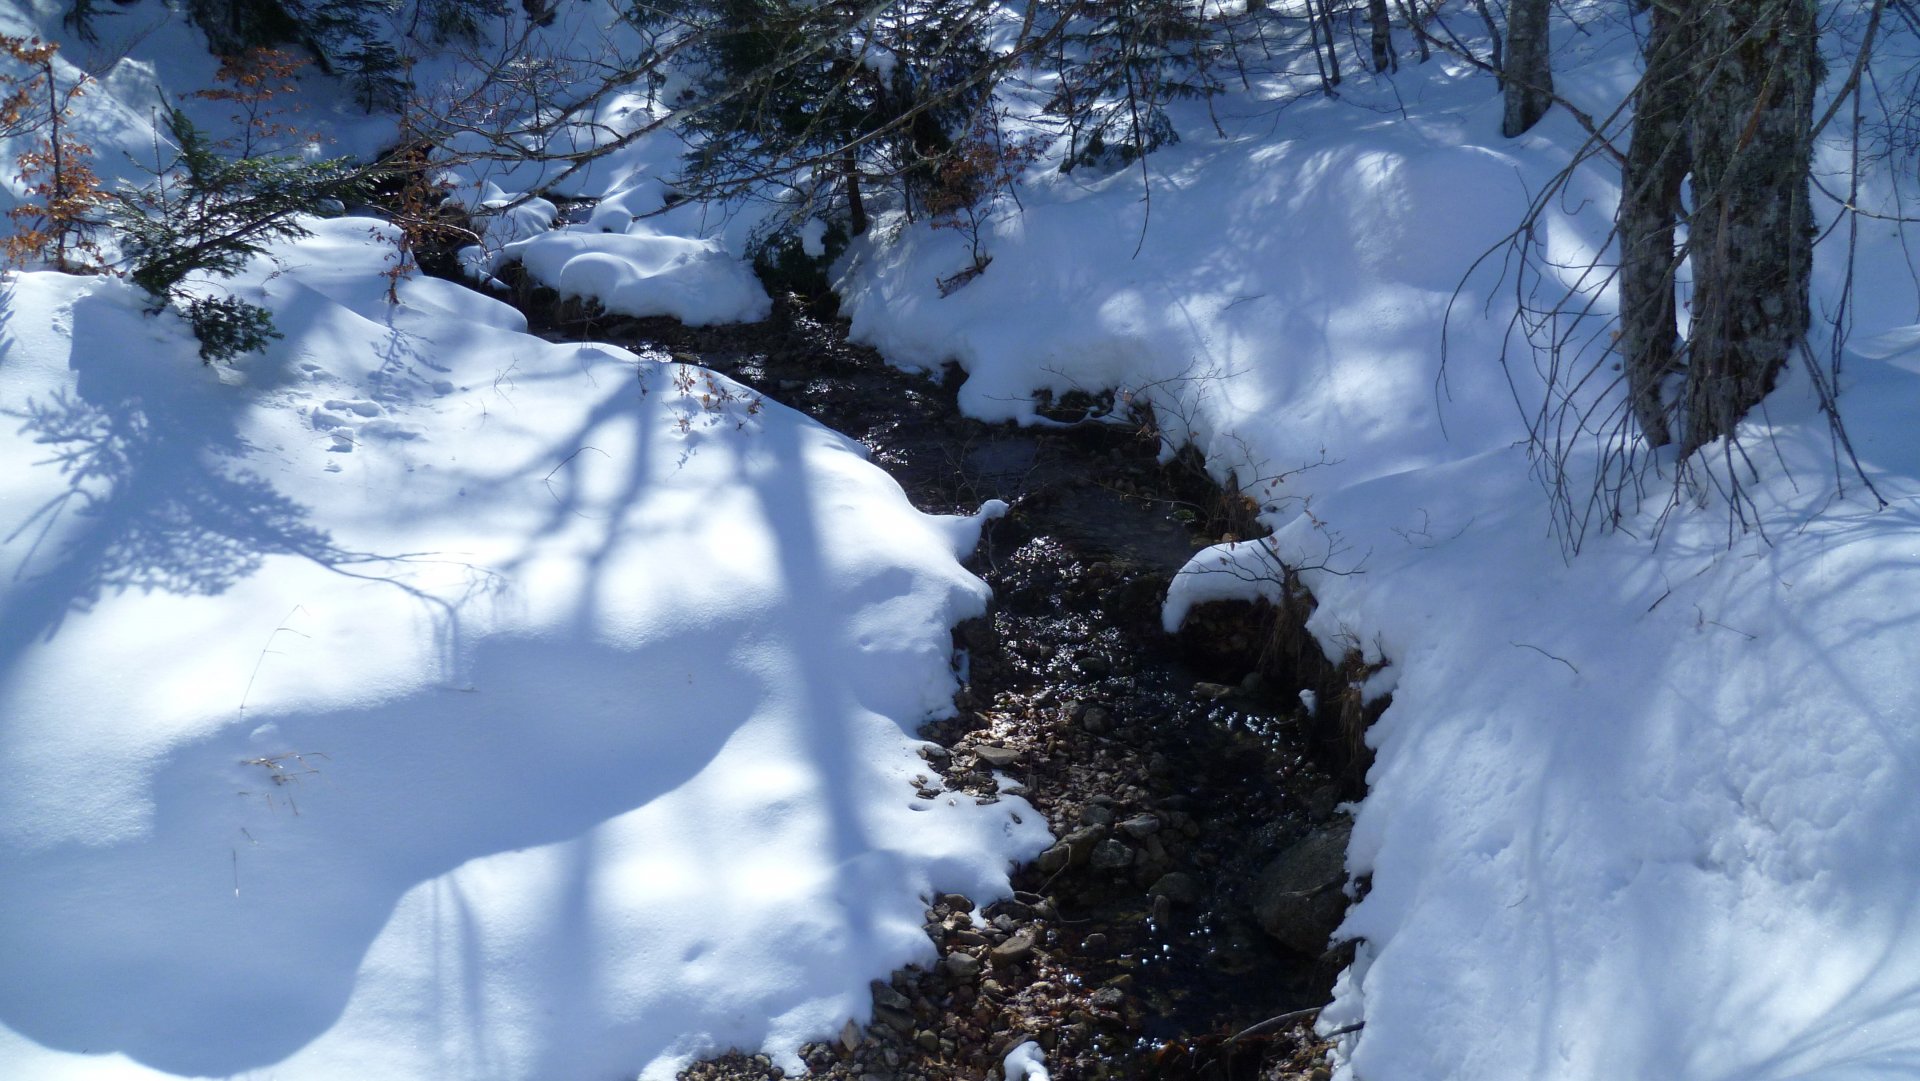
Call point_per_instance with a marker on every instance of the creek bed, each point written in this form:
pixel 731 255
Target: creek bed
pixel 1176 771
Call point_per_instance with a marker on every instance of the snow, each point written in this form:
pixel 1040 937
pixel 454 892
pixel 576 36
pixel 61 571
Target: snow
pixel 443 702
pixel 423 700
pixel 642 273
pixel 1026 1063
pixel 1640 812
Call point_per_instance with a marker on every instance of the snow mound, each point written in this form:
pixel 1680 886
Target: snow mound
pixel 644 273
pixel 427 700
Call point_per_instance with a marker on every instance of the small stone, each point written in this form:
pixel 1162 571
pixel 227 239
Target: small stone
pixel 933 752
pixel 1162 910
pixel 885 995
pixel 897 1020
pixel 1109 998
pixel 1015 948
pixel 1177 886
pixel 1072 710
pixel 963 966
pixel 966 938
pixel 1112 855
pixel 1140 826
pixel 959 902
pixel 1096 720
pixel 850 1035
pixel 1054 859
pixel 927 1039
pixel 1156 852
pixel 1094 942
pixel 992 987
pixel 1095 815
pixel 1212 690
pixel 997 757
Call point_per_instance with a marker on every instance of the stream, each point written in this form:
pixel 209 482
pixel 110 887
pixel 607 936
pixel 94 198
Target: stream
pixel 1178 771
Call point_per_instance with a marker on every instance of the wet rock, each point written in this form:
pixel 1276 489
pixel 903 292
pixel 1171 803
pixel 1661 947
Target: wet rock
pixel 1111 855
pixel 1073 850
pixel 962 966
pixel 1297 897
pixel 1177 886
pixel 997 757
pixel 885 995
pixel 1017 947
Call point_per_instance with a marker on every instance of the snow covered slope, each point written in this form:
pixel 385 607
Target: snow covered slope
pixel 1644 813
pixel 426 700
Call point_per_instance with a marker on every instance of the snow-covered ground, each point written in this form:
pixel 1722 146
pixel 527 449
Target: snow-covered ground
pixel 427 700
pixel 590 677
pixel 1642 813
pixel 420 699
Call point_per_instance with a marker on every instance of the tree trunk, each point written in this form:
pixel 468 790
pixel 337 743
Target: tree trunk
pixel 1750 237
pixel 1528 74
pixel 1330 75
pixel 1382 34
pixel 1658 158
pixel 856 206
pixel 1416 23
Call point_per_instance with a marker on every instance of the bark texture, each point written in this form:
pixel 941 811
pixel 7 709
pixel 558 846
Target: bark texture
pixel 1756 67
pixel 1528 73
pixel 1658 159
pixel 1727 97
pixel 1381 35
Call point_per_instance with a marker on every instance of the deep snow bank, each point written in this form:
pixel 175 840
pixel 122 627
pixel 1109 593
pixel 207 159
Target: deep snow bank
pixel 434 701
pixel 1644 814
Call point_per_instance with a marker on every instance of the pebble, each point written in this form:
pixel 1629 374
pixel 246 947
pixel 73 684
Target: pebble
pixel 958 902
pixel 1177 886
pixel 1212 690
pixel 1015 948
pixel 885 995
pixel 1140 826
pixel 963 966
pixel 997 757
pixel 1095 815
pixel 1096 720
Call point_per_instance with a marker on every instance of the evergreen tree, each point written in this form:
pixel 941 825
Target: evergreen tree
pixel 1120 64
pixel 829 96
pixel 208 214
